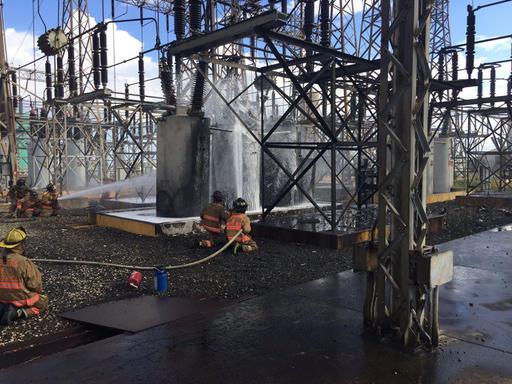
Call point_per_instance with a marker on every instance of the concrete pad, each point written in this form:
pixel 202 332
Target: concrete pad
pixel 490 250
pixel 139 313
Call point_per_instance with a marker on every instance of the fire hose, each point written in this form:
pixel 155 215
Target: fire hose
pixel 142 268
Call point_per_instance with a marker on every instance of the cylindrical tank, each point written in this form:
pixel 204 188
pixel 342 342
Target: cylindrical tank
pixel 75 173
pixel 429 175
pixel 38 173
pixel 443 165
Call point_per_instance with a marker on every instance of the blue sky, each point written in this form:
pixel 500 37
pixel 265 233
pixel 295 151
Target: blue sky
pixel 18 16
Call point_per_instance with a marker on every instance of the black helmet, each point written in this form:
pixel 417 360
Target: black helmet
pixel 240 205
pixel 50 187
pixel 33 194
pixel 20 182
pixel 218 197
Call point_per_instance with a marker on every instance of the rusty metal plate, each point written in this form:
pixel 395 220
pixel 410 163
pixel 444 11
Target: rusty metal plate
pixel 140 313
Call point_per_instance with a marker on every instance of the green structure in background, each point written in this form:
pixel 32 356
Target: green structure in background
pixel 22 143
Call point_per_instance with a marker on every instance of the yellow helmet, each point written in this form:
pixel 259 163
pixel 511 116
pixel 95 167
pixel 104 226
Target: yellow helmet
pixel 14 238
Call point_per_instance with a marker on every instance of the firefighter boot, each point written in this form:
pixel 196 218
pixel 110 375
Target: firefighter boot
pixel 205 244
pixel 3 307
pixel 10 314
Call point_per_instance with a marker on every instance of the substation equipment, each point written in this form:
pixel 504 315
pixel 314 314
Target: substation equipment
pixel 327 93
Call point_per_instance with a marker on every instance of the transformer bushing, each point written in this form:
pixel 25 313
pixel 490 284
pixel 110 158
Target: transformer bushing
pixel 470 41
pixel 96 60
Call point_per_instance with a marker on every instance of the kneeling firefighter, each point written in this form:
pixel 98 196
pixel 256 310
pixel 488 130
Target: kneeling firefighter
pixel 20 280
pixel 237 221
pixel 213 219
pixel 49 202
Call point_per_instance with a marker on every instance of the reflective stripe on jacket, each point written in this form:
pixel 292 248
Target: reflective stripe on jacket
pixel 235 223
pixel 213 216
pixel 20 281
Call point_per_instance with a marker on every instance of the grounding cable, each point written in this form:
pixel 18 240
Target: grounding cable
pixel 138 267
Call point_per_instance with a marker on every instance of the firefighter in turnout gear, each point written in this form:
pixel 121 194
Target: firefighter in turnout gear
pixel 29 206
pixel 213 219
pixel 16 194
pixel 20 280
pixel 49 202
pixel 239 220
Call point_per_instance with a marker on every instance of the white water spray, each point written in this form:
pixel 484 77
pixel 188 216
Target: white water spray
pixel 141 187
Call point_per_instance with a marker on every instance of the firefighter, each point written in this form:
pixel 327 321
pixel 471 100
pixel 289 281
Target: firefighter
pixel 213 219
pixel 16 194
pixel 20 280
pixel 29 206
pixel 49 202
pixel 237 221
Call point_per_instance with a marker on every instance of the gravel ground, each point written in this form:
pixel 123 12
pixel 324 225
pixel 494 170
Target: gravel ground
pixel 463 221
pixel 276 265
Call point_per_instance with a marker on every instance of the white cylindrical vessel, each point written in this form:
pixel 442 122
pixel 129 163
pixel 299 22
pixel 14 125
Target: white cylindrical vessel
pixel 75 177
pixel 38 173
pixel 443 165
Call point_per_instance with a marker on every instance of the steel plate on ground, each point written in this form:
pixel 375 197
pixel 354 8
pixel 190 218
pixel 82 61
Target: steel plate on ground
pixel 140 313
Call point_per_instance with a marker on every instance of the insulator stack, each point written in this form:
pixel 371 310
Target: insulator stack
pixel 59 85
pixel 455 65
pixel 179 29
pixel 179 19
pixel 198 92
pixel 284 6
pixel 195 16
pixel 14 90
pixel 126 96
pixel 103 57
pixel 309 19
pixel 509 85
pixel 253 47
pixel 43 114
pixel 113 9
pixel 274 104
pixel 492 86
pixel 166 81
pixel 142 87
pixel 455 70
pixel 272 4
pixel 470 41
pixel 71 70
pixel 325 23
pixel 480 86
pixel 96 60
pixel 48 76
pixel 440 64
pixel 167 29
pixel 33 112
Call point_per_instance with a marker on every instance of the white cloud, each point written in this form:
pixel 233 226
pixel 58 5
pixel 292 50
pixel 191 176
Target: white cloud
pixel 497 46
pixel 20 51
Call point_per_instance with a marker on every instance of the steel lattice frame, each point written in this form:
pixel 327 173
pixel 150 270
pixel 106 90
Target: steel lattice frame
pixel 394 299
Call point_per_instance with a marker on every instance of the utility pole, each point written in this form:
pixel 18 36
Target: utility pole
pixel 7 121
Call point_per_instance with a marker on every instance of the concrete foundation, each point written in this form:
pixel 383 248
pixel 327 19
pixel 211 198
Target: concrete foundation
pixel 182 177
